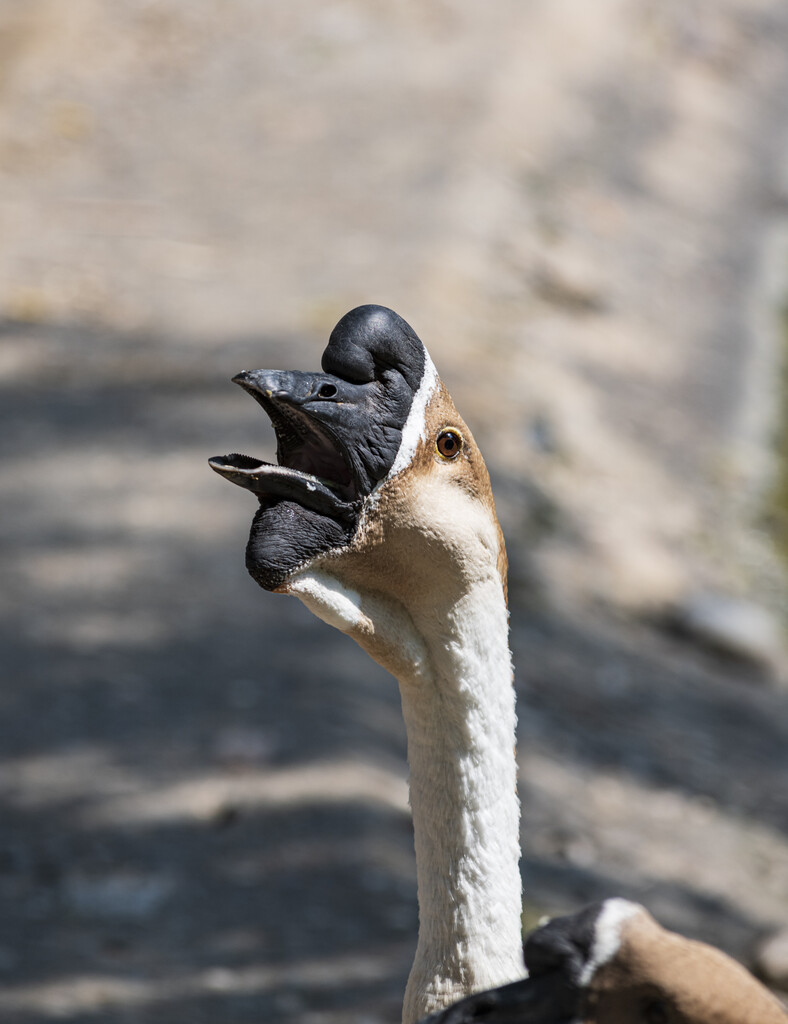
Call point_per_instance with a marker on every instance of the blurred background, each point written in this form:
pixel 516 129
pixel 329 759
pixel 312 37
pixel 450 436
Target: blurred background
pixel 581 208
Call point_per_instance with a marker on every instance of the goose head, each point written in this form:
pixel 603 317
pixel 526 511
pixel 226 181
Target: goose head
pixel 379 482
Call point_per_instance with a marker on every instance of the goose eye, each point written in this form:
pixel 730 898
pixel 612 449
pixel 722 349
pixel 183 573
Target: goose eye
pixel 449 444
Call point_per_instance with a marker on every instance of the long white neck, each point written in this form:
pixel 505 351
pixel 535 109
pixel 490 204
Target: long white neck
pixel 460 722
pixel 455 678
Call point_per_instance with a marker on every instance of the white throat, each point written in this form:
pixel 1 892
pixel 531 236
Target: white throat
pixel 455 679
pixel 461 734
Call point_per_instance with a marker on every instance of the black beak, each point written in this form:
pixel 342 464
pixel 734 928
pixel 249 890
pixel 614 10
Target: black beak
pixel 314 467
pixel 288 385
pixel 338 433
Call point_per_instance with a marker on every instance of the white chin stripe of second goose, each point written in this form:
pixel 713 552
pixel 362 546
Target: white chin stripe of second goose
pixel 612 963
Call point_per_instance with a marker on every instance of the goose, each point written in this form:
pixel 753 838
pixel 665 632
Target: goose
pixel 611 963
pixel 380 518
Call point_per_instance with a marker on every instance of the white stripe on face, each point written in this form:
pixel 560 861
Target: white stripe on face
pixel 415 425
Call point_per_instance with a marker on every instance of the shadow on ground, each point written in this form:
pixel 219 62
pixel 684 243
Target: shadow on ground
pixel 202 793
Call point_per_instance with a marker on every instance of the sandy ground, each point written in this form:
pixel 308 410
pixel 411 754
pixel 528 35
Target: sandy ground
pixel 581 209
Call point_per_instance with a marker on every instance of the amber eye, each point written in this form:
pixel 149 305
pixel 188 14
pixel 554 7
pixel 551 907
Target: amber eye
pixel 449 444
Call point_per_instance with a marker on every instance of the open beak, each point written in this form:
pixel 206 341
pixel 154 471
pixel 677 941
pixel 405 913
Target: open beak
pixel 312 467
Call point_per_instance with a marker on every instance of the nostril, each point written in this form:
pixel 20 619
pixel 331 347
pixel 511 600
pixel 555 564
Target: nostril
pixel 327 391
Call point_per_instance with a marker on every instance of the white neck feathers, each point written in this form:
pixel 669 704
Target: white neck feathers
pixel 460 726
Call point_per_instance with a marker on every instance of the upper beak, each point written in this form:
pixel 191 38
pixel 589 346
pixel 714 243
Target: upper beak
pixel 264 385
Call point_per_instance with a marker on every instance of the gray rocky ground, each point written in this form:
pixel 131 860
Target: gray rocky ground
pixel 581 208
